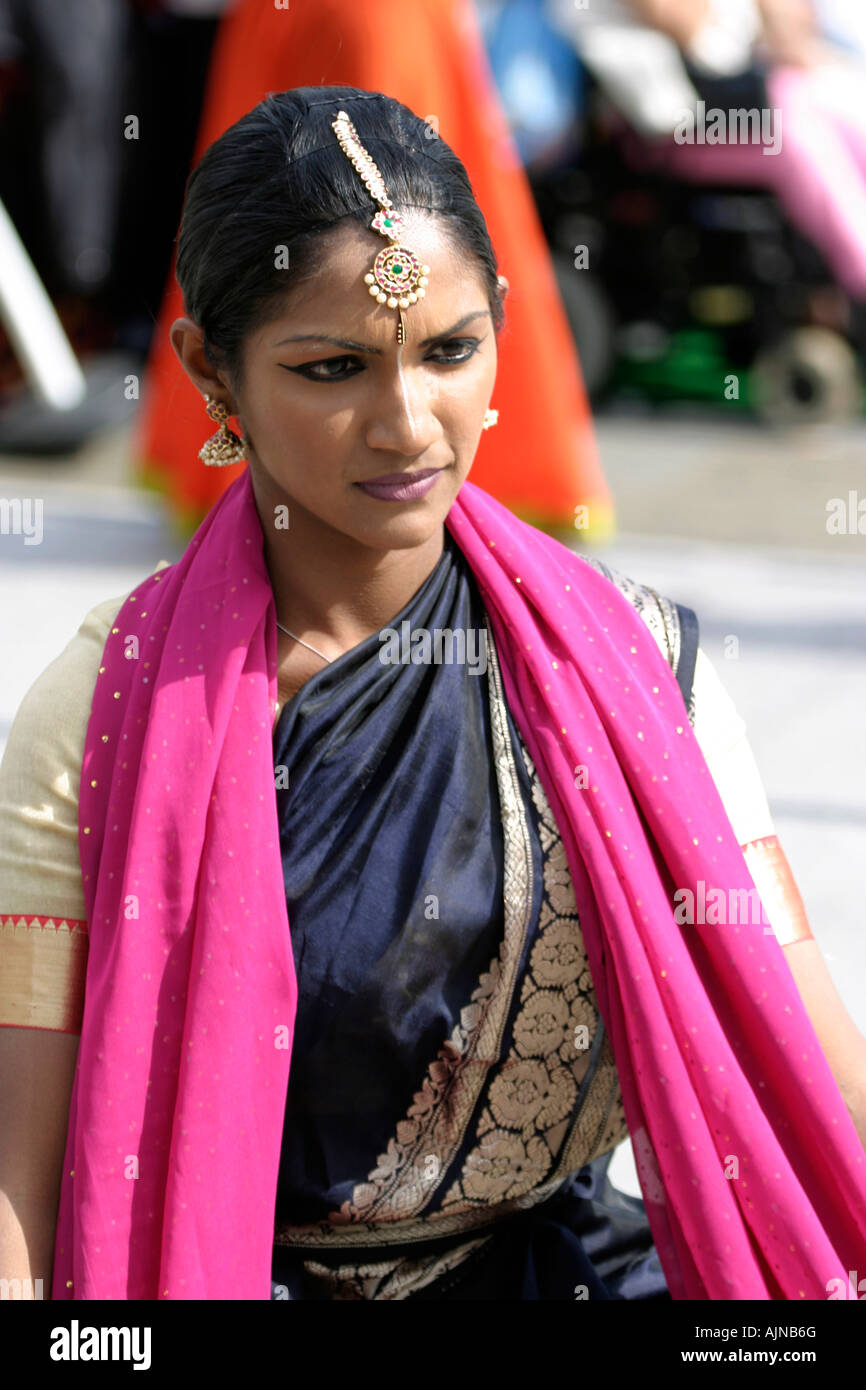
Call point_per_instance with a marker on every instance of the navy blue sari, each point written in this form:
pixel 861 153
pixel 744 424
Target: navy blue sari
pixel 394 888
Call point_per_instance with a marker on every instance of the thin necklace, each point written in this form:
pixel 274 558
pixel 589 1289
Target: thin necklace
pixel 326 659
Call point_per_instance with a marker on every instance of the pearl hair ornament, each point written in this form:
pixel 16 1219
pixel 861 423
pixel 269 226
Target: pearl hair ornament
pixel 397 277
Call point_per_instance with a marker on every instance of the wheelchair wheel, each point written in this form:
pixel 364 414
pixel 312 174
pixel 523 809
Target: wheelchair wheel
pixel 591 320
pixel 811 376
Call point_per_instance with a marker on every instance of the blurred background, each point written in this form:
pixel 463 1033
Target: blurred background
pixel 685 236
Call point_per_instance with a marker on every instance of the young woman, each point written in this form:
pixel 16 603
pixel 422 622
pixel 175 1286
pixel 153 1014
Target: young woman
pixel 384 828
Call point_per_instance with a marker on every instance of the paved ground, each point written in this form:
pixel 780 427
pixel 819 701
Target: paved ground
pixel 714 477
pixel 714 512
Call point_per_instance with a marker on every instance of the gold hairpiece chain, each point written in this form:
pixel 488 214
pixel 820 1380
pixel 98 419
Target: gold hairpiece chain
pixel 397 277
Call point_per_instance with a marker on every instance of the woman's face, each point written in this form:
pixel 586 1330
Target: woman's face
pixel 329 400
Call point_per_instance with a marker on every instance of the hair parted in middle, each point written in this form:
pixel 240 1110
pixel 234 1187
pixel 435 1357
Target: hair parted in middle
pixel 261 200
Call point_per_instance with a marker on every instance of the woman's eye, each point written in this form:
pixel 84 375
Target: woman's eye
pixel 465 348
pixel 326 369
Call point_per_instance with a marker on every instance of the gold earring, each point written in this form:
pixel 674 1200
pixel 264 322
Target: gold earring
pixel 490 418
pixel 225 446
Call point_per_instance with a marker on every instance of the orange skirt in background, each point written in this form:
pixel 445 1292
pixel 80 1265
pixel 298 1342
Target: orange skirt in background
pixel 541 459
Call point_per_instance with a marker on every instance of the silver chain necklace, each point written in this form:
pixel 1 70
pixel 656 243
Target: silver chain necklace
pixel 326 659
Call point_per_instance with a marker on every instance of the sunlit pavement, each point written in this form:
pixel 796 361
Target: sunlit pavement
pixel 792 594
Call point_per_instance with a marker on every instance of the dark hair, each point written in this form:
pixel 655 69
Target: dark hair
pixel 278 178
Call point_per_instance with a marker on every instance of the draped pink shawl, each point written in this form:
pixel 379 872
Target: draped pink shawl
pixel 753 1175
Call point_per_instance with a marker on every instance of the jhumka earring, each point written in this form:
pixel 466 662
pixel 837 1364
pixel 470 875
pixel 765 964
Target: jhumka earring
pixel 397 277
pixel 490 419
pixel 225 446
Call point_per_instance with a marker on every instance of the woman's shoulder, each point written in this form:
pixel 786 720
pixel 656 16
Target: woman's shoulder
pixel 60 696
pixel 40 772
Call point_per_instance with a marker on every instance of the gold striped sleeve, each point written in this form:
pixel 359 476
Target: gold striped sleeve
pixel 43 931
pixel 43 927
pixel 777 888
pixel 44 960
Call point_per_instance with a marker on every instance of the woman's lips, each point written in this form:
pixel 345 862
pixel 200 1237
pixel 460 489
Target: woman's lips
pixel 403 487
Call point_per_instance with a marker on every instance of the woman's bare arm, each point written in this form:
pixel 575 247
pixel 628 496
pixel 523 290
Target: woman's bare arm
pixel 841 1041
pixel 37 1069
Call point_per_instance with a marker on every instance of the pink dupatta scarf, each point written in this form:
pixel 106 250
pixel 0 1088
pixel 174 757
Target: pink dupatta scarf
pixel 753 1175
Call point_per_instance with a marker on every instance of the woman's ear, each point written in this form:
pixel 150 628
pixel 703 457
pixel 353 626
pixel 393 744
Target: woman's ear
pixel 187 339
pixel 504 286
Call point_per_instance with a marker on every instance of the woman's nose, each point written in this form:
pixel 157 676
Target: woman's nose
pixel 401 415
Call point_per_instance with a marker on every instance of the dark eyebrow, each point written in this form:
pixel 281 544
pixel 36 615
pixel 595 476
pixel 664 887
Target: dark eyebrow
pixel 365 347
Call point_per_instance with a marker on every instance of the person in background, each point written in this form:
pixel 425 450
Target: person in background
pixel 61 131
pixel 743 53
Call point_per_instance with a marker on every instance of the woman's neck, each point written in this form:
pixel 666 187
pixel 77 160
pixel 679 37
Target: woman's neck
pixel 328 584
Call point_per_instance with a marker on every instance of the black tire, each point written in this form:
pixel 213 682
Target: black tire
pixel 592 322
pixel 812 376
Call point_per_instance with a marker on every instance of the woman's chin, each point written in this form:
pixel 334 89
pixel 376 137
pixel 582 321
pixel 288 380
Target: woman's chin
pixel 403 532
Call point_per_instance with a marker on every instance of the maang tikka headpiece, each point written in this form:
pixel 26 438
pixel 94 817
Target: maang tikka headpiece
pixel 397 278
